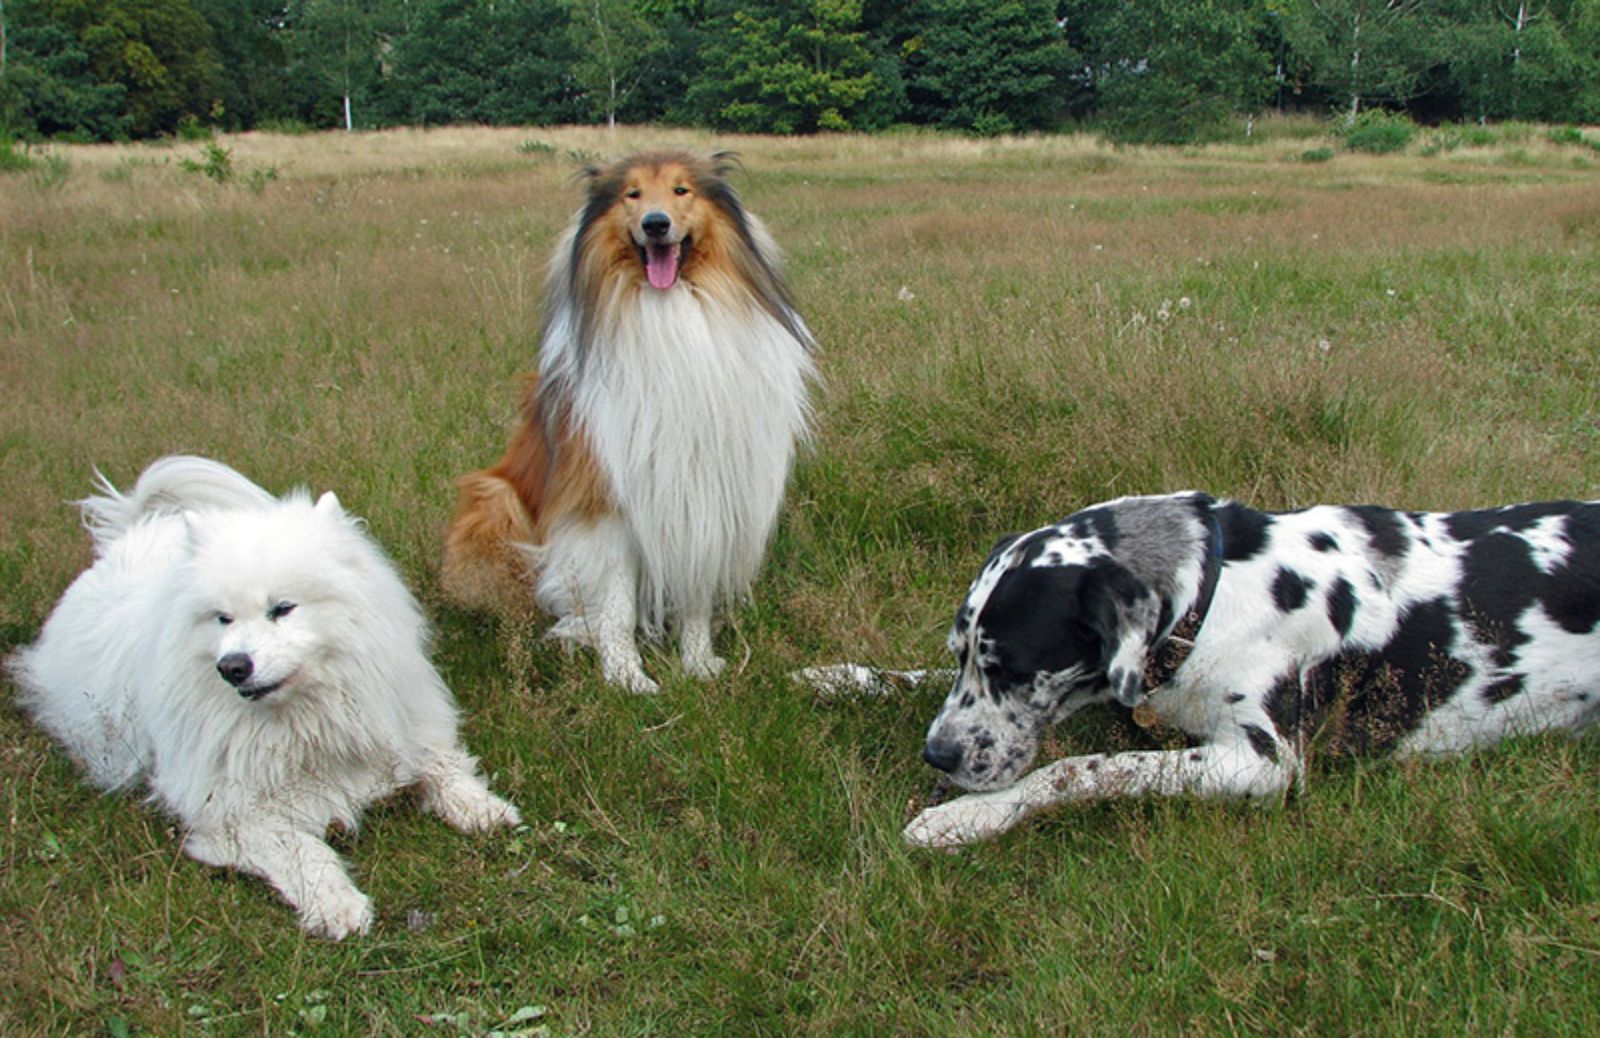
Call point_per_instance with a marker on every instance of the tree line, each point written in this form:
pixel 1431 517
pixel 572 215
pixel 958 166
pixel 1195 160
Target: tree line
pixel 1137 70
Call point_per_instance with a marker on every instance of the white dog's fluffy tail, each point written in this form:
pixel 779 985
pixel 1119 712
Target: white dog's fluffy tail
pixel 173 484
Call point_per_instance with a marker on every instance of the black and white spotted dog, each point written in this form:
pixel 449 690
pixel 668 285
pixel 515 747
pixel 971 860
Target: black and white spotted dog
pixel 1353 628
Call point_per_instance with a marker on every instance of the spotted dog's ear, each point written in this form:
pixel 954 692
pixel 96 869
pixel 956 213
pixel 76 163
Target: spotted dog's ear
pixel 1126 616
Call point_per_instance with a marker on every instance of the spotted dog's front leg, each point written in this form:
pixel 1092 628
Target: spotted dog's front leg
pixel 1210 770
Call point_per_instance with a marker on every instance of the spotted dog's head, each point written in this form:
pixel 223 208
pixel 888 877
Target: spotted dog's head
pixel 1064 617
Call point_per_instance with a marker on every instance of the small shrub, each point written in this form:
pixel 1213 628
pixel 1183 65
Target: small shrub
pixel 991 124
pixel 1379 133
pixel 215 161
pixel 11 159
pixel 192 129
pixel 536 148
pixel 1317 155
pixel 50 171
pixel 258 179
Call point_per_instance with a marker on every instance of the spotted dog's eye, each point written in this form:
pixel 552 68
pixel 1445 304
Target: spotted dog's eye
pixel 680 190
pixel 224 619
pixel 280 610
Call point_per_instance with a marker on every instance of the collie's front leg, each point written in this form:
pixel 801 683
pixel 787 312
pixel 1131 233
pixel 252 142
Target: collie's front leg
pixel 591 581
pixel 699 659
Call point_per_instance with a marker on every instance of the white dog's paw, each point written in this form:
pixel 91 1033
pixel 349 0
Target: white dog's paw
pixel 337 914
pixel 477 812
pixel 967 819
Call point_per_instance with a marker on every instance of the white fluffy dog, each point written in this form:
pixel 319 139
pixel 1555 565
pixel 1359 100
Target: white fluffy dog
pixel 260 665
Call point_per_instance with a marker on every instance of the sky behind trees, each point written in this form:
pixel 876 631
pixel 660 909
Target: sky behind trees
pixel 1146 70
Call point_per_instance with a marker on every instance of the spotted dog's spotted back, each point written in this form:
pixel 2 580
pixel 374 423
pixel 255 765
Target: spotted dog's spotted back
pixel 1344 627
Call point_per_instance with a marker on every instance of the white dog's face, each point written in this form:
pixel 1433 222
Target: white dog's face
pixel 261 643
pixel 265 593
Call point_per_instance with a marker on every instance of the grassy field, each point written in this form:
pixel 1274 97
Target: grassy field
pixel 1011 329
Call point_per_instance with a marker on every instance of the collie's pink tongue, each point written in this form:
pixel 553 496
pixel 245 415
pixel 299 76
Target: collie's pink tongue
pixel 661 265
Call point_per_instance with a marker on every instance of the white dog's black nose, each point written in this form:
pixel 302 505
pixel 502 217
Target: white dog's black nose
pixel 235 668
pixel 942 754
pixel 655 224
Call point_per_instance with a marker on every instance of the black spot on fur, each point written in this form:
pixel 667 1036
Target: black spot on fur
pixel 1469 526
pixel 1097 522
pixel 1385 530
pixel 1366 701
pixel 1572 590
pixel 1323 542
pixel 1502 690
pixel 1289 590
pixel 1499 581
pixel 1342 606
pixel 1262 742
pixel 1244 531
pixel 1034 615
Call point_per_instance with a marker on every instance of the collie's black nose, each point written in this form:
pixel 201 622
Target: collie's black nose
pixel 942 754
pixel 235 668
pixel 656 224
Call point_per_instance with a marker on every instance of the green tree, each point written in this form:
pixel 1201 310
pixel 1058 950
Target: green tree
pixel 1171 73
pixel 247 36
pixel 1521 59
pixel 987 65
pixel 615 43
pixel 1363 52
pixel 497 63
pixel 48 89
pixel 333 50
pixel 793 66
pixel 158 51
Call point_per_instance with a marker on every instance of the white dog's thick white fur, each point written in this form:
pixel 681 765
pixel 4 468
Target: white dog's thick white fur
pixel 260 666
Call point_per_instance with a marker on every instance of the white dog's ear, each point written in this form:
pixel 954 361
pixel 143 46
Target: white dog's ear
pixel 328 504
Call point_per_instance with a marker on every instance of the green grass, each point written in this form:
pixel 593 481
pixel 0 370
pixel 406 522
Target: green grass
pixel 1011 328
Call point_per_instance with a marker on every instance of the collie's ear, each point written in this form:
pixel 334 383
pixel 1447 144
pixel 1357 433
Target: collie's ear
pixel 1125 614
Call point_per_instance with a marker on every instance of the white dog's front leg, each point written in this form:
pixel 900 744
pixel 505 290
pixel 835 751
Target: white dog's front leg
pixel 301 867
pixel 1210 770
pixel 453 789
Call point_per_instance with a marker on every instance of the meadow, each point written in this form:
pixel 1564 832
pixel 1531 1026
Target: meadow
pixel 1010 329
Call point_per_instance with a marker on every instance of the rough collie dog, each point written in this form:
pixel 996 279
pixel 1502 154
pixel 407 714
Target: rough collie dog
pixel 646 472
pixel 260 666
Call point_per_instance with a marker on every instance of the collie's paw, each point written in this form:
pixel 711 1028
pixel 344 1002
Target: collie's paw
pixel 704 668
pixel 336 914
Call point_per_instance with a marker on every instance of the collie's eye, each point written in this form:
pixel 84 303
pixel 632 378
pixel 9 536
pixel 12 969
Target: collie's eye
pixel 634 192
pixel 224 619
pixel 680 190
pixel 280 610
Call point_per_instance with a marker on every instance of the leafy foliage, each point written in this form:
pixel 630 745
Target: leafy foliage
pixel 985 66
pixel 1144 71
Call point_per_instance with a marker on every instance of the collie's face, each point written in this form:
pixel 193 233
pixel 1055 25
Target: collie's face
pixel 659 217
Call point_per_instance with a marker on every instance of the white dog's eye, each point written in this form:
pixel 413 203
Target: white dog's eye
pixel 224 619
pixel 280 610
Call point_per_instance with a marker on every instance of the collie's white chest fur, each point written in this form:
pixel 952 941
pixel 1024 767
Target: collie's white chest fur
pixel 694 409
